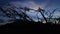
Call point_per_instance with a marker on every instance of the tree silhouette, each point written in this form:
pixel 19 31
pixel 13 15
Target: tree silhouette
pixel 40 10
pixel 11 12
pixel 50 14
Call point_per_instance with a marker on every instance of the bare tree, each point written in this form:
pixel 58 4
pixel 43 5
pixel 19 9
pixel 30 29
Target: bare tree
pixel 50 13
pixel 41 10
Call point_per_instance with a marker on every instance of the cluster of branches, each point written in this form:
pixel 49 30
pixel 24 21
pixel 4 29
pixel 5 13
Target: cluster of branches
pixel 51 16
pixel 9 12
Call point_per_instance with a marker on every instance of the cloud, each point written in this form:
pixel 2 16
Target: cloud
pixel 29 4
pixel 34 4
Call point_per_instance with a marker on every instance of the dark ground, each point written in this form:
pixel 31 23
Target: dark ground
pixel 30 27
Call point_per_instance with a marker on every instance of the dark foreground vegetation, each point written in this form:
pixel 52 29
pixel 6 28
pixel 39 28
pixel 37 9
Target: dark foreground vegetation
pixel 32 27
pixel 26 24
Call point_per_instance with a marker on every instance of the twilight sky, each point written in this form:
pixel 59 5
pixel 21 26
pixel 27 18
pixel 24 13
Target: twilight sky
pixel 34 3
pixel 44 4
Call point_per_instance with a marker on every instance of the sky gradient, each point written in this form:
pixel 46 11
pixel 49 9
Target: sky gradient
pixel 34 4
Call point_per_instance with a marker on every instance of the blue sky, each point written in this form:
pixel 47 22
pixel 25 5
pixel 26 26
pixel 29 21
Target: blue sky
pixel 44 4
